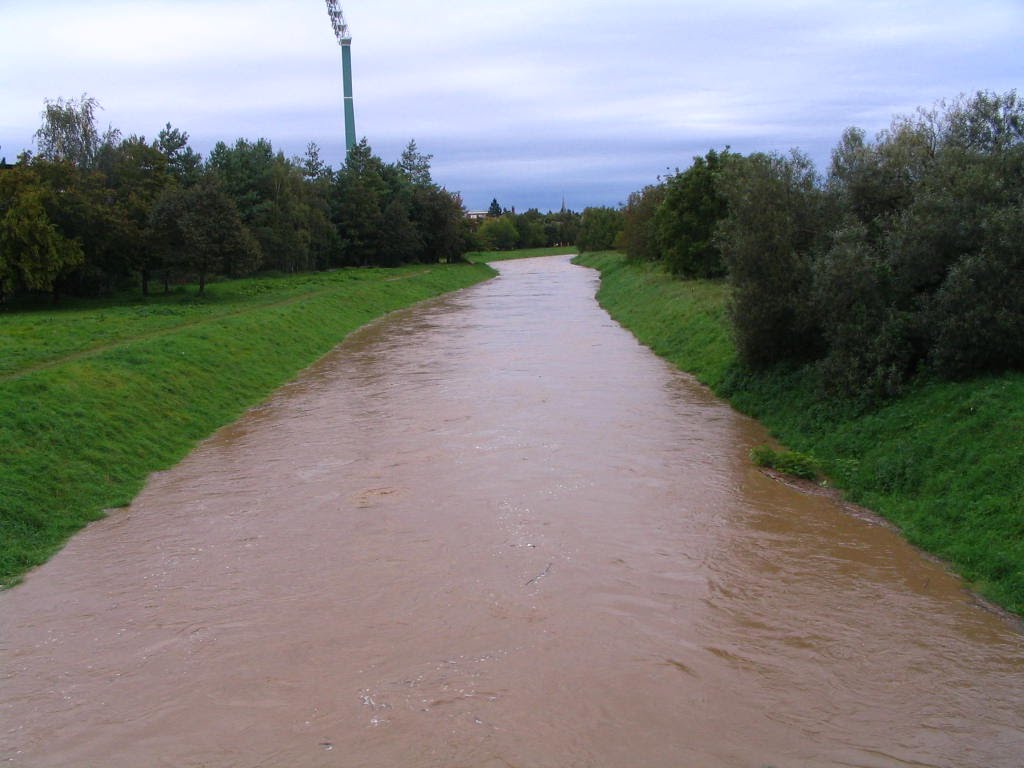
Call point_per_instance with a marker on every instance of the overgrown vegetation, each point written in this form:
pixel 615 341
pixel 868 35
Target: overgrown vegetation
pixel 90 213
pixel 94 396
pixel 788 462
pixel 872 317
pixel 599 229
pixel 506 230
pixel 945 461
pixel 905 260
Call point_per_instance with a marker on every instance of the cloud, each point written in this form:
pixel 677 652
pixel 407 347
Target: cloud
pixel 532 99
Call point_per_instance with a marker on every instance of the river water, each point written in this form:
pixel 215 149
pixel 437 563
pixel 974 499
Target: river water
pixel 493 530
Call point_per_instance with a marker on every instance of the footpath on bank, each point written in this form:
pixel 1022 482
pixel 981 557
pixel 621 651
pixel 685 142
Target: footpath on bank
pixel 96 396
pixel 945 462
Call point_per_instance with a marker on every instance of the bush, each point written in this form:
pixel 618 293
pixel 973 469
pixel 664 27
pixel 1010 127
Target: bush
pixel 599 228
pixel 788 462
pixel 776 219
pixel 640 237
pixel 688 218
pixel 978 313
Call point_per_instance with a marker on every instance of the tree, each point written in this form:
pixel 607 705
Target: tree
pixel 689 215
pixel 440 218
pixel 415 166
pixel 928 200
pixel 977 316
pixel 498 234
pixel 34 255
pixel 495 210
pixel 286 213
pixel 183 162
pixel 68 132
pixel 776 222
pixel 203 233
pixel 403 243
pixel 314 169
pixel 599 228
pixel 135 173
pixel 360 199
pixel 639 236
pixel 531 229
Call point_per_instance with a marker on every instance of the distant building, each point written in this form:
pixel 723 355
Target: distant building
pixel 476 215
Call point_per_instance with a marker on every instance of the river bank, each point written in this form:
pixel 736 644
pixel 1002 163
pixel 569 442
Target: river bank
pixel 486 257
pixel 945 462
pixel 96 396
pixel 493 529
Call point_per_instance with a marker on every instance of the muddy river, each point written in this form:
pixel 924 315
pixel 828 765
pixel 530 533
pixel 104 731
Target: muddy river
pixel 493 530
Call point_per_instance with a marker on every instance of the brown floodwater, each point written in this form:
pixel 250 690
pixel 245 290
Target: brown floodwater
pixel 493 530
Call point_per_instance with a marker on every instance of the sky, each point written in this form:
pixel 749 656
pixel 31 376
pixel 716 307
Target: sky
pixel 530 102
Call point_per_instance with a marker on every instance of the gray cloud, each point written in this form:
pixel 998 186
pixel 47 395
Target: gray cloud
pixel 525 101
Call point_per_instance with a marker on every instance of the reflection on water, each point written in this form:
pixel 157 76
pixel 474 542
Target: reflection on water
pixel 495 531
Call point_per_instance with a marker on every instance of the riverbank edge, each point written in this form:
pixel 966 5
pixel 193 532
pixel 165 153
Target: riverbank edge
pixel 82 437
pixel 486 257
pixel 944 463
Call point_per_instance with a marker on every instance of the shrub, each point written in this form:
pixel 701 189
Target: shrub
pixel 688 218
pixel 639 227
pixel 978 313
pixel 788 462
pixel 599 228
pixel 775 221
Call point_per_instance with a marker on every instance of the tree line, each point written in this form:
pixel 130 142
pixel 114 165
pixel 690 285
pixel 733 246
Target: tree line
pixel 89 212
pixel 506 230
pixel 905 258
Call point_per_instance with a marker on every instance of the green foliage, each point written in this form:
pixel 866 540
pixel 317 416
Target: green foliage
pixel 944 460
pixel 69 133
pixel 34 255
pixel 415 166
pixel 112 206
pixel 928 276
pixel 978 313
pixel 777 217
pixel 94 397
pixel 498 234
pixel 689 215
pixel 905 261
pixel 599 228
pixel 690 327
pixel 533 229
pixel 787 462
pixel 640 237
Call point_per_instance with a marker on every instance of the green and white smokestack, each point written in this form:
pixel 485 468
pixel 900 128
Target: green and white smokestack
pixel 341 31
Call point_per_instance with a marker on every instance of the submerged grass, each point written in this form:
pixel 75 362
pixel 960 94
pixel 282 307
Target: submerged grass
pixel 485 257
pixel 945 462
pixel 95 398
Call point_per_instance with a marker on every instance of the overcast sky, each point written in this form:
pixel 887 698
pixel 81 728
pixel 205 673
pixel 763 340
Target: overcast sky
pixel 524 101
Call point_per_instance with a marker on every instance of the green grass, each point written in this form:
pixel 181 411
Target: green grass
pixel 945 462
pixel 485 257
pixel 788 462
pixel 95 398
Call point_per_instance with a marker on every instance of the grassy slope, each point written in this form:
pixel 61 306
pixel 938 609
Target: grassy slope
pixel 945 462
pixel 92 400
pixel 484 257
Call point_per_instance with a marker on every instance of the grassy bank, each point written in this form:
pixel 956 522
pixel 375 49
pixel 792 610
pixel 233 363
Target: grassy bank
pixel 945 462
pixel 484 257
pixel 96 396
